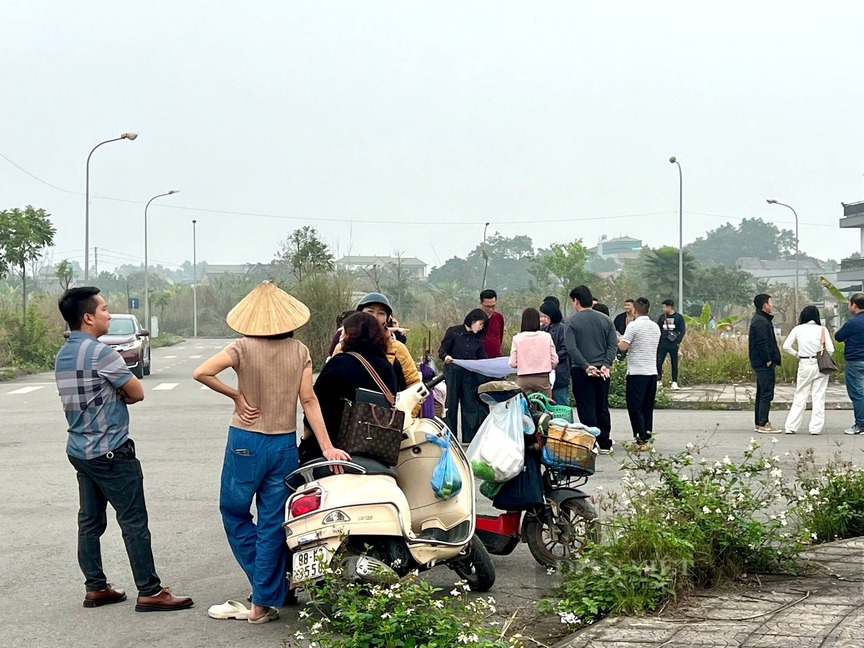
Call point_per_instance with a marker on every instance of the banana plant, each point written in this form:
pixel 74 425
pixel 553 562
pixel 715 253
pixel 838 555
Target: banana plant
pixel 833 290
pixel 702 323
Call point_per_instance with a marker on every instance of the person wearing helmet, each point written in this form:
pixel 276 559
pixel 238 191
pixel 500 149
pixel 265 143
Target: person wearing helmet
pixel 379 306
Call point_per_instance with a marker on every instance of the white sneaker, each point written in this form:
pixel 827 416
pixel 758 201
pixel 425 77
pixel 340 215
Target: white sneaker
pixel 816 432
pixel 674 386
pixel 853 430
pixel 790 432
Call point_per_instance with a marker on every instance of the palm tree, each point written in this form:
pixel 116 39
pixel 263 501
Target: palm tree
pixel 660 271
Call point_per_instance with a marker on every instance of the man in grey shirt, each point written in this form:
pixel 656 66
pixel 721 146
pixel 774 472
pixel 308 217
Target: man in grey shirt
pixel 592 343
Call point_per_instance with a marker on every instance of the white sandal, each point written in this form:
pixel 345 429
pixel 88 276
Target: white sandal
pixel 229 610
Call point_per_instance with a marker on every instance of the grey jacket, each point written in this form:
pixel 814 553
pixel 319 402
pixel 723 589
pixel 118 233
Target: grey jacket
pixel 591 340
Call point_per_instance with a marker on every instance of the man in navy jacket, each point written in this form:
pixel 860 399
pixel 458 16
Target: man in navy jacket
pixel 852 335
pixel 764 358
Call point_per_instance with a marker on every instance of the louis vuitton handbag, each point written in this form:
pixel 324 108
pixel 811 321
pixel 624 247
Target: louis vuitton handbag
pixel 824 359
pixel 370 429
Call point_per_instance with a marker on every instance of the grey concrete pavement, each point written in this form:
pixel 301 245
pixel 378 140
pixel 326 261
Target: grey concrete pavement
pixel 742 395
pixel 180 434
pixel 824 609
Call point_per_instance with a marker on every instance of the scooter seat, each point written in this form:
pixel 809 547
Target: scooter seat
pixel 372 467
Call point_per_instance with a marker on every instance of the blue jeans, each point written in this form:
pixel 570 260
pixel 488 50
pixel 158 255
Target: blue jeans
pixel 255 467
pixel 855 388
pixel 117 481
pixel 561 395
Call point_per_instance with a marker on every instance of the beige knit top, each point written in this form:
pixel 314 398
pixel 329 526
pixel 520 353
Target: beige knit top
pixel 268 376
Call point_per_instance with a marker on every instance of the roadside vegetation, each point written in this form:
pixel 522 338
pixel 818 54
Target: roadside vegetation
pixel 682 522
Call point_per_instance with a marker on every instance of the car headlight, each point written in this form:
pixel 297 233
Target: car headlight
pixel 128 346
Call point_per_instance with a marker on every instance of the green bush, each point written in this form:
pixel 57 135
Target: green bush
pixel 680 522
pixel 31 343
pixel 409 613
pixel 830 500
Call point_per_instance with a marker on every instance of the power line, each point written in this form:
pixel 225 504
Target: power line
pixel 565 219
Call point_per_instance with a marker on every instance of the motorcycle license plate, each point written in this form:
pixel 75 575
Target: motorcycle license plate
pixel 310 564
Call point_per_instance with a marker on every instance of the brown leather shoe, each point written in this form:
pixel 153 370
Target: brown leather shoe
pixel 104 597
pixel 164 601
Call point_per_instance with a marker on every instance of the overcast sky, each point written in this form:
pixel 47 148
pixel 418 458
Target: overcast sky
pixel 394 126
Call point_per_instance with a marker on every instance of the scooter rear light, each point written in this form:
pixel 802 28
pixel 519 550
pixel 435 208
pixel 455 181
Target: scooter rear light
pixel 305 503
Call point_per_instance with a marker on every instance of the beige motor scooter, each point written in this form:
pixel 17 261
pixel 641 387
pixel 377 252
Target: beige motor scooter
pixel 385 521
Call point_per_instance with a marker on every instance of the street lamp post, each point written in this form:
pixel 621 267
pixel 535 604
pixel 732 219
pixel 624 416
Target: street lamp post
pixel 674 161
pixel 146 285
pixel 127 136
pixel 771 201
pixel 485 257
pixel 194 282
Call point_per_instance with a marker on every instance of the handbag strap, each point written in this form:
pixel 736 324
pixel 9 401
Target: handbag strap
pixel 387 393
pixel 822 340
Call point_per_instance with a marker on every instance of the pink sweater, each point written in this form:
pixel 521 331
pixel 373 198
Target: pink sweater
pixel 533 352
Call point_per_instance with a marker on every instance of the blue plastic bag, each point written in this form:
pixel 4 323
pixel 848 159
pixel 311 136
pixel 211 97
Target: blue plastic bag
pixel 446 480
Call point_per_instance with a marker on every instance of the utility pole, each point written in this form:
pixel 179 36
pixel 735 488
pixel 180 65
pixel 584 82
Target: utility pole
pixel 95 261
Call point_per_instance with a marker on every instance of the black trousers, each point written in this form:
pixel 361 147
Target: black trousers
pixel 641 391
pixel 120 482
pixel 764 393
pixel 462 392
pixel 671 349
pixel 592 404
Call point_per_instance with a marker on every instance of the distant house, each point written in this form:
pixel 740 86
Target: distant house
pixel 783 270
pixel 619 249
pixel 414 266
pixel 213 271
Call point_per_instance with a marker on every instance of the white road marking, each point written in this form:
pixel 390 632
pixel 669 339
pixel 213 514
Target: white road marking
pixel 195 356
pixel 165 386
pixel 26 390
pixel 169 357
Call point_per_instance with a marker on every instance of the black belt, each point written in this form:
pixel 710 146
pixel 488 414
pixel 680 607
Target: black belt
pixel 807 357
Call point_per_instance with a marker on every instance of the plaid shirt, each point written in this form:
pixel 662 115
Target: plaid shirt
pixel 88 374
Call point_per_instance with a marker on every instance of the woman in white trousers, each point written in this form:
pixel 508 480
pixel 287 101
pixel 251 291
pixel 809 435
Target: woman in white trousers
pixel 809 382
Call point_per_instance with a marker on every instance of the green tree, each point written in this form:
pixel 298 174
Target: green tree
pixel 304 253
pixel 161 299
pixel 24 234
pixel 752 238
pixel 64 273
pixel 503 247
pixel 566 262
pixel 659 270
pixel 722 288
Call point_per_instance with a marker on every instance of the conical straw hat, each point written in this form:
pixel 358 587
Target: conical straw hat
pixel 267 310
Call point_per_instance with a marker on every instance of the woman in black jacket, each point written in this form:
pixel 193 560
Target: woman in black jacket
pixel 464 342
pixel 344 374
pixel 551 322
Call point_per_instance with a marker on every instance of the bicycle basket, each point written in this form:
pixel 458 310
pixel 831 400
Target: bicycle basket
pixel 567 452
pixel 557 411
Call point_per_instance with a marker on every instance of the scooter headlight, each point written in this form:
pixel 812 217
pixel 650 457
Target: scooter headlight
pixel 336 517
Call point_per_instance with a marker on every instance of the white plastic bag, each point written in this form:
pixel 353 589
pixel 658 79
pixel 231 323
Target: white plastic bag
pixel 497 452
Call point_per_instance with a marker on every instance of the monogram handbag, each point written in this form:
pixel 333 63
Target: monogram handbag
pixel 370 429
pixel 824 359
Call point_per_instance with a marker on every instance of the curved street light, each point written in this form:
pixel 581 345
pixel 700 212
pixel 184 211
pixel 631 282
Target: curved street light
pixel 674 161
pixel 146 285
pixel 771 201
pixel 194 281
pixel 127 136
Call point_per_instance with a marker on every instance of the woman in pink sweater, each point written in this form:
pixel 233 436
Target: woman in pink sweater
pixel 533 355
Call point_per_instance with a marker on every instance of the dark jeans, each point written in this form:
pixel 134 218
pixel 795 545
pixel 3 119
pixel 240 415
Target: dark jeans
pixel 641 391
pixel 671 348
pixel 120 482
pixel 764 393
pixel 592 404
pixel 462 392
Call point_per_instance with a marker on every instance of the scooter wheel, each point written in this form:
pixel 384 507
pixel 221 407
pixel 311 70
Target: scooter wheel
pixel 576 523
pixel 475 567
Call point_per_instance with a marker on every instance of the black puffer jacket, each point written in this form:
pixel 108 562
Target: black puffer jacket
pixel 763 344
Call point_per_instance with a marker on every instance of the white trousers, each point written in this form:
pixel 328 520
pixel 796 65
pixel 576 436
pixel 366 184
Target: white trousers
pixel 808 384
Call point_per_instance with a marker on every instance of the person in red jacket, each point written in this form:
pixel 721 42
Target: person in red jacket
pixel 495 329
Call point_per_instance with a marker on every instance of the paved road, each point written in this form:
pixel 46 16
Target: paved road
pixel 179 431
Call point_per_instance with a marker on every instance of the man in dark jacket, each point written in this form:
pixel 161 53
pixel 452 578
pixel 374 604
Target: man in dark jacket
pixel 764 358
pixel 852 335
pixel 672 330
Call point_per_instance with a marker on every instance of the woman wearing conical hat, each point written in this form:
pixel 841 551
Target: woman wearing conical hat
pixel 273 370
